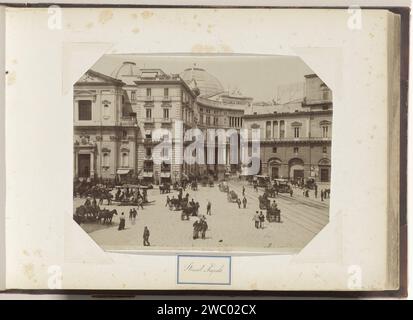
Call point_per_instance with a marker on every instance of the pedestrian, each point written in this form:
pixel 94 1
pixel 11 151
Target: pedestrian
pixel 261 219
pixel 243 190
pixel 256 220
pixel 291 192
pixel 203 227
pixel 122 222
pixel 322 195
pixel 130 214
pixel 135 213
pixel 146 235
pixel 244 202
pixel 239 203
pixel 315 189
pixel 196 226
pixel 168 200
pixel 209 208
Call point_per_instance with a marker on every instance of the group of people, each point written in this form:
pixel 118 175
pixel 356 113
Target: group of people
pixel 259 219
pixel 244 202
pixel 200 227
pixel 132 194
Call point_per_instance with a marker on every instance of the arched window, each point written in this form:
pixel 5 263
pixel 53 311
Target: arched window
pixel 106 110
pixel 105 160
pixel 125 159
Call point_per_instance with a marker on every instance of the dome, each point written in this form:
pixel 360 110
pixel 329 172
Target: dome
pixel 206 82
pixel 127 72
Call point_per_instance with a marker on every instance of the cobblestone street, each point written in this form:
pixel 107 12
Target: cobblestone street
pixel 230 228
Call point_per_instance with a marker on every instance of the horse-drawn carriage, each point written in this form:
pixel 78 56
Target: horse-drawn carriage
pixel 271 191
pixel 165 188
pixel 273 214
pixel 264 202
pixel 232 196
pixel 283 185
pixel 189 209
pixel 89 213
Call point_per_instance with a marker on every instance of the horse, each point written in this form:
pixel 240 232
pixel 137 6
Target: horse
pixel 106 216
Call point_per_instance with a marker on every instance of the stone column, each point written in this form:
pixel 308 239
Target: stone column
pixel 92 164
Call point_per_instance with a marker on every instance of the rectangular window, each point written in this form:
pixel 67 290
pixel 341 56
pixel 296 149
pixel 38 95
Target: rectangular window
pixel 148 92
pixel 282 129
pixel 296 132
pixel 148 113
pixel 148 152
pixel 324 149
pixel 325 131
pixel 166 113
pixel 295 150
pixel 274 150
pixel 133 95
pixel 274 129
pixel 85 109
pixel 166 92
pixel 268 130
pixel 208 120
pixel 215 121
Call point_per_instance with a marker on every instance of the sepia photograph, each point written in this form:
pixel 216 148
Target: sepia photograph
pixel 202 152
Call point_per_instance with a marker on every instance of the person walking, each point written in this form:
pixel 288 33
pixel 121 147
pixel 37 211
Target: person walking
pixel 146 235
pixel 322 195
pixel 291 192
pixel 244 202
pixel 239 203
pixel 256 219
pixel 243 191
pixel 122 222
pixel 196 226
pixel 203 228
pixel 261 219
pixel 315 190
pixel 168 200
pixel 208 208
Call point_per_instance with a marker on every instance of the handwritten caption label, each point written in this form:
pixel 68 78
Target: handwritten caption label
pixel 204 270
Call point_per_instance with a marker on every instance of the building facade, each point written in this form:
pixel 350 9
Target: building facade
pixel 104 136
pixel 115 118
pixel 296 136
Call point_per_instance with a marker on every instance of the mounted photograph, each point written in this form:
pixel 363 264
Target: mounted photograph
pixel 201 152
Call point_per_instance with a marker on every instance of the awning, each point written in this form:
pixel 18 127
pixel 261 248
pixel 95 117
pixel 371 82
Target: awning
pixel 123 171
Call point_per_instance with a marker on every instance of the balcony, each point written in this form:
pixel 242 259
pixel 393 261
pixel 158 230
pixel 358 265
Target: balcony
pixel 166 120
pixel 148 99
pixel 147 174
pixel 165 174
pixel 148 120
pixel 166 99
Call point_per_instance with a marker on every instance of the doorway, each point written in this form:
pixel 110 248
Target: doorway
pixel 84 165
pixel 324 175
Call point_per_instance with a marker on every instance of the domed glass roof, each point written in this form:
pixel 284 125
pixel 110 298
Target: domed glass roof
pixel 127 72
pixel 206 82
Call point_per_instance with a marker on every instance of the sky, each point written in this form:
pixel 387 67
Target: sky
pixel 253 76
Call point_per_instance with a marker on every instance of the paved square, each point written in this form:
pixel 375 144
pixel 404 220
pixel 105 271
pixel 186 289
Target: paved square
pixel 229 228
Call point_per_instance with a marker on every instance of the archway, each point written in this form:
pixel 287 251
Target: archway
pixel 324 167
pixel 296 169
pixel 274 165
